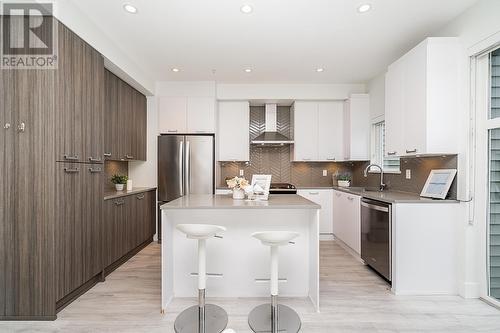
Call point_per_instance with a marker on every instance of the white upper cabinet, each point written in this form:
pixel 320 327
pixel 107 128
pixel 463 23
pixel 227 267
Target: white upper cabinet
pixel 357 127
pixel 233 133
pixel 318 133
pixel 201 115
pixel 186 115
pixel 172 113
pixel 330 131
pixel 422 97
pixel 305 127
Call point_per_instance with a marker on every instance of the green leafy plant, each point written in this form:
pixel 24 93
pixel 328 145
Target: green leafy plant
pixel 119 179
pixel 345 177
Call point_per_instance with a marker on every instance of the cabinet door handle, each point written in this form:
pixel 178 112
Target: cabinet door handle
pixel 69 170
pixel 107 154
pixel 95 170
pixel 119 202
pixel 338 194
pixel 71 158
pixel 200 131
pixel 140 197
pixel 314 193
pixel 331 159
pixel 350 198
pixel 171 131
pixel 306 159
pixel 129 157
pixel 95 159
pixel 409 151
pixel 21 127
pixel 391 153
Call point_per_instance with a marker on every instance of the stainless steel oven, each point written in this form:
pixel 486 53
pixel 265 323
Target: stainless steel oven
pixel 376 232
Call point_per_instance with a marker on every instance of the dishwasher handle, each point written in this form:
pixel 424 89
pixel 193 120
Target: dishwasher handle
pixel 375 207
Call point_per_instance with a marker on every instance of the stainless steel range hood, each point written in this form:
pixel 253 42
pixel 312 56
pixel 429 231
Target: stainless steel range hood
pixel 271 137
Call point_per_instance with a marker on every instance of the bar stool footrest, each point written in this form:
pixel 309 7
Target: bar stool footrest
pixel 260 319
pixel 215 320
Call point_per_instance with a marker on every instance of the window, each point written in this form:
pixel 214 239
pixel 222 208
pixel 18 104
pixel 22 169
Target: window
pixel 390 164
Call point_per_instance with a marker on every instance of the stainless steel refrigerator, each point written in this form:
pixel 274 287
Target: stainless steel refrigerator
pixel 185 166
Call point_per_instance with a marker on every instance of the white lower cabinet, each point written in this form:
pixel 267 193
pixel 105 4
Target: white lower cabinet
pixel 347 219
pixel 323 197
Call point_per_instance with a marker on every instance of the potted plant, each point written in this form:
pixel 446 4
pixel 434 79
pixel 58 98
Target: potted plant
pixel 238 185
pixel 344 180
pixel 119 181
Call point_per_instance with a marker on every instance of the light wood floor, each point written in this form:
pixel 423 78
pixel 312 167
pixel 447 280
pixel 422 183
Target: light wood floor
pixel 353 299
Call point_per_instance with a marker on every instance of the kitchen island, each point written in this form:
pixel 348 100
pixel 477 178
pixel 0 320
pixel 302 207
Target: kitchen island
pixel 238 263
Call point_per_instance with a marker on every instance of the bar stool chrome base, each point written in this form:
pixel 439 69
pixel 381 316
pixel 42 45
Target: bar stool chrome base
pixel 188 320
pixel 260 319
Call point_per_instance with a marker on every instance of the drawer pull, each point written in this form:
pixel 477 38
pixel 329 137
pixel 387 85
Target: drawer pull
pixel 350 198
pixel 107 154
pixel 95 159
pixel 140 196
pixel 119 202
pixel 68 170
pixel 129 157
pixel 314 193
pixel 71 158
pixel 306 159
pixel 338 194
pixel 171 131
pixel 331 159
pixel 410 151
pixel 391 153
pixel 95 170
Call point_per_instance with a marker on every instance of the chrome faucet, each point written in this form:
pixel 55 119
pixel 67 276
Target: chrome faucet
pixel 382 185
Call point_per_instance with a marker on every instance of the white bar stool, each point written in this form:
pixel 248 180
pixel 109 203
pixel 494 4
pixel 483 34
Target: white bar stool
pixel 274 317
pixel 201 318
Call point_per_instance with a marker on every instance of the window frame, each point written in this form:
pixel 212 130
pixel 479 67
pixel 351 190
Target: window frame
pixel 375 154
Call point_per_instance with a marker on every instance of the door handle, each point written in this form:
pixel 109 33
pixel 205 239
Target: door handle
pixel 21 127
pixel 69 157
pixel 411 151
pixel 331 159
pixel 69 170
pixel 140 196
pixel 95 170
pixel 129 157
pixel 314 193
pixel 107 154
pixel 171 131
pixel 306 159
pixel 119 202
pixel 95 159
pixel 391 153
pixel 181 173
pixel 187 169
pixel 350 198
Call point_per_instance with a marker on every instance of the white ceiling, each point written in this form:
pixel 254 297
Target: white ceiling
pixel 282 40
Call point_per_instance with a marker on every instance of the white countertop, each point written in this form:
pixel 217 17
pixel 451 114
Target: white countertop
pixel 210 201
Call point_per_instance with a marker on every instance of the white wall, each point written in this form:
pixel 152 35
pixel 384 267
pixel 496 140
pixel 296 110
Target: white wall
pixel 475 28
pixel 276 91
pixel 376 89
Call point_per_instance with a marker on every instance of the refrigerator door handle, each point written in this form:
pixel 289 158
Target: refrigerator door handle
pixel 181 152
pixel 187 176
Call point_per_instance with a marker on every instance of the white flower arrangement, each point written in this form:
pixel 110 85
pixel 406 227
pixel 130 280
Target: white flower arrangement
pixel 237 183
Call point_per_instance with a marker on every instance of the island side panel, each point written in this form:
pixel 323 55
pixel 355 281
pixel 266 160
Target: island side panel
pixel 314 273
pixel 167 272
pixel 240 258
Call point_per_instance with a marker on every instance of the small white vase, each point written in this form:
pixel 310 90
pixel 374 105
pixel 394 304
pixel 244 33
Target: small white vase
pixel 238 194
pixel 119 187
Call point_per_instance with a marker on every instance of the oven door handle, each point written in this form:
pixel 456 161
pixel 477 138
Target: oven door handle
pixel 375 207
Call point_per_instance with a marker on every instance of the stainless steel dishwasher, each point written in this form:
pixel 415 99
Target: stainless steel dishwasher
pixel 376 236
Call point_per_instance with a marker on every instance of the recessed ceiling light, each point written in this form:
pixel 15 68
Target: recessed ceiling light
pixel 246 9
pixel 175 70
pixel 248 70
pixel 364 8
pixel 129 8
pixel 319 70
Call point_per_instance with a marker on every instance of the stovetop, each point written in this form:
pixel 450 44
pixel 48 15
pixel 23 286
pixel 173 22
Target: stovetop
pixel 282 188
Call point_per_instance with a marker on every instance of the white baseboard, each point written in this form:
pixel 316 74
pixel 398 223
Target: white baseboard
pixel 326 237
pixel 469 289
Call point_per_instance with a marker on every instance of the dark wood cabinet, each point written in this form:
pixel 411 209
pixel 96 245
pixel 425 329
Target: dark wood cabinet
pixel 79 208
pixel 80 100
pixel 27 198
pixel 128 223
pixel 125 120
